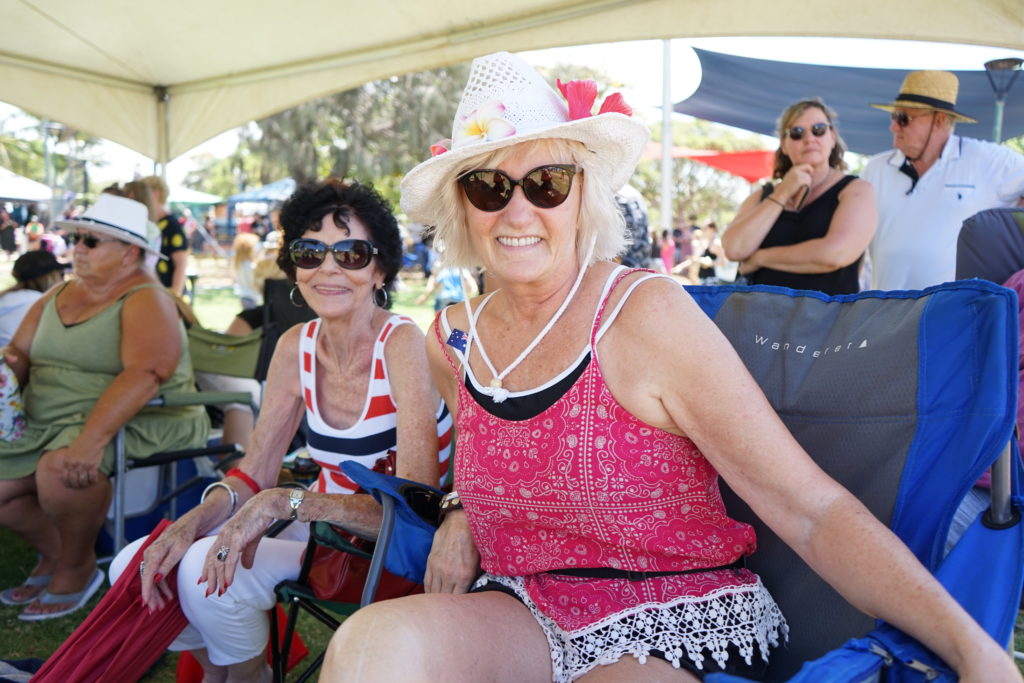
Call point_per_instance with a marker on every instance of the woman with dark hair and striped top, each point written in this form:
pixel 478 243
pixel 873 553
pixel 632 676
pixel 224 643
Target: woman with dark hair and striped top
pixel 359 375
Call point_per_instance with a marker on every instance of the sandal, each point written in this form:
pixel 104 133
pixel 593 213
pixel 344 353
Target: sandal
pixel 77 600
pixel 7 596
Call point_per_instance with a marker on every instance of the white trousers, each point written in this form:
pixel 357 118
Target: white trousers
pixel 233 627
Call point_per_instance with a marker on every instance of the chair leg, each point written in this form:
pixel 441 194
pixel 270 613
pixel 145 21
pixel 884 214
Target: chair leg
pixel 286 641
pixel 313 668
pixel 276 669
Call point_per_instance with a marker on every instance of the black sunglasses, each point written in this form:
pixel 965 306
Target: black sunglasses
pixel 546 187
pixel 90 241
pixel 903 119
pixel 818 129
pixel 349 254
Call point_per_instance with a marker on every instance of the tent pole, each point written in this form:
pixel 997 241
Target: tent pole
pixel 666 136
pixel 163 124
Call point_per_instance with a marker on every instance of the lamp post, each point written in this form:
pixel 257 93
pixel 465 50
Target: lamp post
pixel 1001 74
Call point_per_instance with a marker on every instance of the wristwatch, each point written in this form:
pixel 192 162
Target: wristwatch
pixel 449 503
pixel 294 501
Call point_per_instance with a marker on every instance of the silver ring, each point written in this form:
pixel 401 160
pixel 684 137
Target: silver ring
pixel 222 552
pixel 142 568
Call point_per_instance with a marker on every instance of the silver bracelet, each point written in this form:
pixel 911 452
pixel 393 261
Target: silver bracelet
pixel 231 492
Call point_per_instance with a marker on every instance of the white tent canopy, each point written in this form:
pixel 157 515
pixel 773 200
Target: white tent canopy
pixel 20 188
pixel 161 78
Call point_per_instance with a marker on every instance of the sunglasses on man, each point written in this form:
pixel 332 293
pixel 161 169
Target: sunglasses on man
pixel 349 254
pixel 546 187
pixel 817 130
pixel 903 119
pixel 90 241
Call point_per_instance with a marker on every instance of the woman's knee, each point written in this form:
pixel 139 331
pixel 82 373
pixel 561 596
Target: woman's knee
pixel 190 568
pixel 121 560
pixel 366 644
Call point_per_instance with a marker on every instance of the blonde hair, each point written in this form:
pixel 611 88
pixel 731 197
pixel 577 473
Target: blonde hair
pixel 141 192
pixel 245 246
pixel 158 185
pixel 599 219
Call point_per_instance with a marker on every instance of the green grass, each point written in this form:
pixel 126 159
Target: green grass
pixel 22 640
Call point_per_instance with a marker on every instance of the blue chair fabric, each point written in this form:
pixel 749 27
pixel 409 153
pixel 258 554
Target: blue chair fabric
pixel 906 398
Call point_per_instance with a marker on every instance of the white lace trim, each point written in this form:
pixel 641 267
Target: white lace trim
pixel 737 615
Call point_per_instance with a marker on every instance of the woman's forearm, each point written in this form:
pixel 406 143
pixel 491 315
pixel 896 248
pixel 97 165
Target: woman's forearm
pixel 810 256
pixel 123 398
pixel 899 590
pixel 746 233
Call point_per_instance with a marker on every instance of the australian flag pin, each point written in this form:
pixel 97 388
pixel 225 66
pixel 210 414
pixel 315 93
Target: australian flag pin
pixel 457 340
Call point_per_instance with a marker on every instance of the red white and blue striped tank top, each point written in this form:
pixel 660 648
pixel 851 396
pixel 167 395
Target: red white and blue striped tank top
pixel 372 436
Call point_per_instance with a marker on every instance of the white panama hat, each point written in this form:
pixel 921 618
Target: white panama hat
pixel 118 217
pixel 507 102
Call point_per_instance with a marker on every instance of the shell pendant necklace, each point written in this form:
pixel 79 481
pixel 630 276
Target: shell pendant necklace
pixel 496 391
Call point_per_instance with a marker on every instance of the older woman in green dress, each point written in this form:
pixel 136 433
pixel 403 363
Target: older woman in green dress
pixel 89 355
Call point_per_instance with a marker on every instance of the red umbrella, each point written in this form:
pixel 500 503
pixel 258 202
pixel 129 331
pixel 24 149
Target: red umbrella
pixel 120 639
pixel 750 164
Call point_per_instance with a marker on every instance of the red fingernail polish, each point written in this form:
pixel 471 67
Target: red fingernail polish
pixel 208 591
pixel 158 578
pixel 200 581
pixel 221 592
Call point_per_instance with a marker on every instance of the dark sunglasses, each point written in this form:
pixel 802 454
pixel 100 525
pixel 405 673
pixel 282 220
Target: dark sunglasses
pixel 903 119
pixel 818 129
pixel 546 187
pixel 90 241
pixel 349 254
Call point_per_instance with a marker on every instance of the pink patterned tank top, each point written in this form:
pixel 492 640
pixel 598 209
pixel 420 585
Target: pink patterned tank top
pixel 587 484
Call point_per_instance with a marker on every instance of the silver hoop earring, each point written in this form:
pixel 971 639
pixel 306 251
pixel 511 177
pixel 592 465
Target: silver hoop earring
pixel 301 303
pixel 380 297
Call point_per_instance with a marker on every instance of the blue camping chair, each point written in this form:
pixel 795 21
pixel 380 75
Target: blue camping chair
pixel 407 530
pixel 905 398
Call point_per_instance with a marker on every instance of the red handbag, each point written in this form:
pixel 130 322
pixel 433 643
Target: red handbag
pixel 340 568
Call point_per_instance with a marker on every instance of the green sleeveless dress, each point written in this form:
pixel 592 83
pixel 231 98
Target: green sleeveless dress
pixel 70 367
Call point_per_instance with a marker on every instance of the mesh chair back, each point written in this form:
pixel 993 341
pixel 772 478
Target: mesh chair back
pixel 903 397
pixel 991 245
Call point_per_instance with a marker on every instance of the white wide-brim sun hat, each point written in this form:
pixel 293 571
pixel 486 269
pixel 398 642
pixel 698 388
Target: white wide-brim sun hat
pixel 507 102
pixel 118 217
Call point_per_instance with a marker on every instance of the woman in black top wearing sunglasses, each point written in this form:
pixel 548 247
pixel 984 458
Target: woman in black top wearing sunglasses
pixel 810 230
pixel 359 375
pixel 595 407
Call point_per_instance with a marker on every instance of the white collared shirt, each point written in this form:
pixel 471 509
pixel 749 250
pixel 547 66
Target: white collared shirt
pixel 915 244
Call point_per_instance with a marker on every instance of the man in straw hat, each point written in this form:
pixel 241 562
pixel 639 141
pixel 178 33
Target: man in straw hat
pixel 931 183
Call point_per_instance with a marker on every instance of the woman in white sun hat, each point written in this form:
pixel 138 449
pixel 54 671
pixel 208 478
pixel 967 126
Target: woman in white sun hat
pixel 589 446
pixel 89 354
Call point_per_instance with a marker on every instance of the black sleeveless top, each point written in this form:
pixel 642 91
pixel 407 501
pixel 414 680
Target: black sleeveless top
pixel 811 222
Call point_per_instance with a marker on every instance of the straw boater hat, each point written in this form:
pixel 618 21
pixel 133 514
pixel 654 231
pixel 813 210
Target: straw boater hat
pixel 934 90
pixel 118 217
pixel 507 102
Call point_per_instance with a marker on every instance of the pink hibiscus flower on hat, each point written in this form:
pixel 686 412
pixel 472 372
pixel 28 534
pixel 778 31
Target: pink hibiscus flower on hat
pixel 581 95
pixel 484 124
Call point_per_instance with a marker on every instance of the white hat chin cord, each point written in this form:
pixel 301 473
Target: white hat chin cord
pixel 496 391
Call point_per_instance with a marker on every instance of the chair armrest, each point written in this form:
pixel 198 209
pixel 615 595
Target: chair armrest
pixel 203 398
pixel 407 529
